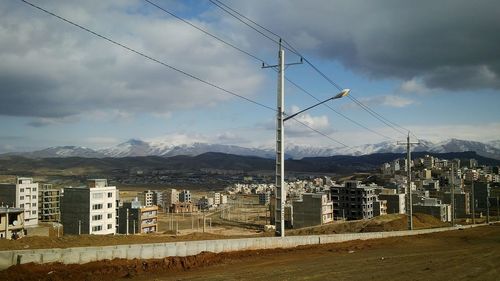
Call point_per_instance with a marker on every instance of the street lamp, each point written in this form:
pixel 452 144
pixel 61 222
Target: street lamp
pixel 342 94
pixel 280 148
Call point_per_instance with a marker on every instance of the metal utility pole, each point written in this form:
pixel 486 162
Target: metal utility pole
pixel 279 217
pixel 452 196
pixel 473 204
pixel 409 209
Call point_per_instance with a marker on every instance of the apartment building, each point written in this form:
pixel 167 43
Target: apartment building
pixel 171 197
pixel 353 200
pixel 23 194
pixel 313 209
pixel 185 196
pixel 89 209
pixel 49 200
pixel 146 198
pixel 137 219
pixel 11 222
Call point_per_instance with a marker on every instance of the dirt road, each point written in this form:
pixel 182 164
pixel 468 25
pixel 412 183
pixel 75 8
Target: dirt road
pixel 472 254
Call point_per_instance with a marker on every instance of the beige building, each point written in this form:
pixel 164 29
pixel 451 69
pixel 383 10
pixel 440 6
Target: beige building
pixel 23 194
pixel 11 222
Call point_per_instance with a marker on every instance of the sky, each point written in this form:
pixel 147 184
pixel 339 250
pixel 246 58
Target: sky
pixel 431 67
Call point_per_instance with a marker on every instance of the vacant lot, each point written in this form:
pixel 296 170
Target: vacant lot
pixel 472 254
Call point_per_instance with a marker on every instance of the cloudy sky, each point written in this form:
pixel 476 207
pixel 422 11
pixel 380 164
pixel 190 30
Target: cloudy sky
pixel 432 67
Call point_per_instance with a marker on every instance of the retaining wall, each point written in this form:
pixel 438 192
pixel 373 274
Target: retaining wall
pixel 82 255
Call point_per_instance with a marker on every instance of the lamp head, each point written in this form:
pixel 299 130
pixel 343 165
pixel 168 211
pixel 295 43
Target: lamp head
pixel 342 94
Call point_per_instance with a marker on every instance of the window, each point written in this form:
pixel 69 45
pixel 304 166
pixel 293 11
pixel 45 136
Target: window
pixel 97 228
pixel 97 217
pixel 33 204
pixel 33 197
pixel 33 212
pixel 110 205
pixel 110 226
pixel 21 198
pixel 110 194
pixel 97 196
pixel 96 206
pixel 34 188
pixel 21 206
pixel 21 190
pixel 110 215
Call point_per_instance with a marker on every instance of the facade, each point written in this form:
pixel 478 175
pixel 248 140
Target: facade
pixel 395 203
pixel 264 198
pixel 11 222
pixel 137 219
pixel 183 207
pixel 23 194
pixel 206 202
pixel 171 197
pixel 353 200
pixel 379 208
pixel 217 198
pixel 313 209
pixel 185 196
pixel 49 200
pixel 481 194
pixel 440 211
pixel 146 198
pixel 462 203
pixel 89 209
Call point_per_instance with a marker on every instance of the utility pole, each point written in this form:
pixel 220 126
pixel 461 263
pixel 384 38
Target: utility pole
pixel 498 213
pixel 452 196
pixel 279 217
pixel 409 209
pixel 473 204
pixel 127 222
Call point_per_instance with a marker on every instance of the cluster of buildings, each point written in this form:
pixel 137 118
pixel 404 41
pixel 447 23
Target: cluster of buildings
pixel 91 209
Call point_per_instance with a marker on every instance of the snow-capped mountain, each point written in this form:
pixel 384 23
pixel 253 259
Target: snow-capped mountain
pixel 136 147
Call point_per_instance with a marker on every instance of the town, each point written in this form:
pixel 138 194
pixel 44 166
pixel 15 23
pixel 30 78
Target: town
pixel 98 208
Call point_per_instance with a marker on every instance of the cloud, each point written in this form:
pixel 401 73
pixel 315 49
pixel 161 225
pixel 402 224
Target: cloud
pixel 384 100
pixel 450 44
pixel 51 69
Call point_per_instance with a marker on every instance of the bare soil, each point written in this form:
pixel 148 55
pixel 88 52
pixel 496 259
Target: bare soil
pixel 471 254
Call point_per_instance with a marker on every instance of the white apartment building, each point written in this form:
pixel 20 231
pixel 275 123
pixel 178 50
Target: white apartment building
pixel 89 209
pixel 23 195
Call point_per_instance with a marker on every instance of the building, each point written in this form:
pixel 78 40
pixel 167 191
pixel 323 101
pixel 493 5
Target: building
pixel 23 194
pixel 313 209
pixel 11 222
pixel 223 199
pixel 171 197
pixel 89 209
pixel 429 162
pixel 49 203
pixel 353 200
pixel 264 198
pixel 137 219
pixel 183 207
pixel 206 203
pixel 462 203
pixel 481 194
pixel 185 196
pixel 379 208
pixel 438 210
pixel 216 198
pixel 146 198
pixel 395 203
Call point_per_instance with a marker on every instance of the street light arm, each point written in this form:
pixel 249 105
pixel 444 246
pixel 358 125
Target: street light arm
pixel 344 93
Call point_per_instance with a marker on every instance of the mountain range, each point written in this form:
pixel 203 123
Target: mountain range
pixel 134 147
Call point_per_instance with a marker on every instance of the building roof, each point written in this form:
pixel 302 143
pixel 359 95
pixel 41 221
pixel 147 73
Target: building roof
pixel 4 210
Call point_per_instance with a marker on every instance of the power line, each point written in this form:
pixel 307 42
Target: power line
pixel 255 57
pixel 168 66
pixel 148 57
pixel 206 32
pixel 295 51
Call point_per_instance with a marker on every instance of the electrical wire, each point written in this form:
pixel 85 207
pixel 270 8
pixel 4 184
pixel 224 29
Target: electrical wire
pixel 169 66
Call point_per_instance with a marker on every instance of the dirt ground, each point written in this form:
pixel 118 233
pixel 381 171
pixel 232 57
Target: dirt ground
pixel 471 254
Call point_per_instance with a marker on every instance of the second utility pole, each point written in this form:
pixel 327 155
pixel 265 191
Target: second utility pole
pixel 409 209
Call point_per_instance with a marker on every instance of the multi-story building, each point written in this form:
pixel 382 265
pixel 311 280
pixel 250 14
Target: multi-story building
pixel 481 194
pixel 23 194
pixel 462 203
pixel 313 209
pixel 89 209
pixel 49 200
pixel 264 198
pixel 171 197
pixel 433 207
pixel 379 208
pixel 146 198
pixel 428 161
pixel 206 203
pixel 353 200
pixel 223 199
pixel 11 222
pixel 185 196
pixel 217 198
pixel 137 219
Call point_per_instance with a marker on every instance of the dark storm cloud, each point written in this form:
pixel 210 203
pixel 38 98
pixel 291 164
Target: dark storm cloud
pixel 51 70
pixel 450 44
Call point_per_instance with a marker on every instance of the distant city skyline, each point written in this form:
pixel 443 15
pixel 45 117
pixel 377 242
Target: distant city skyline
pixel 432 68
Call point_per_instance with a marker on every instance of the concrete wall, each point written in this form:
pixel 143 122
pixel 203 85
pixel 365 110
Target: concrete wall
pixel 187 248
